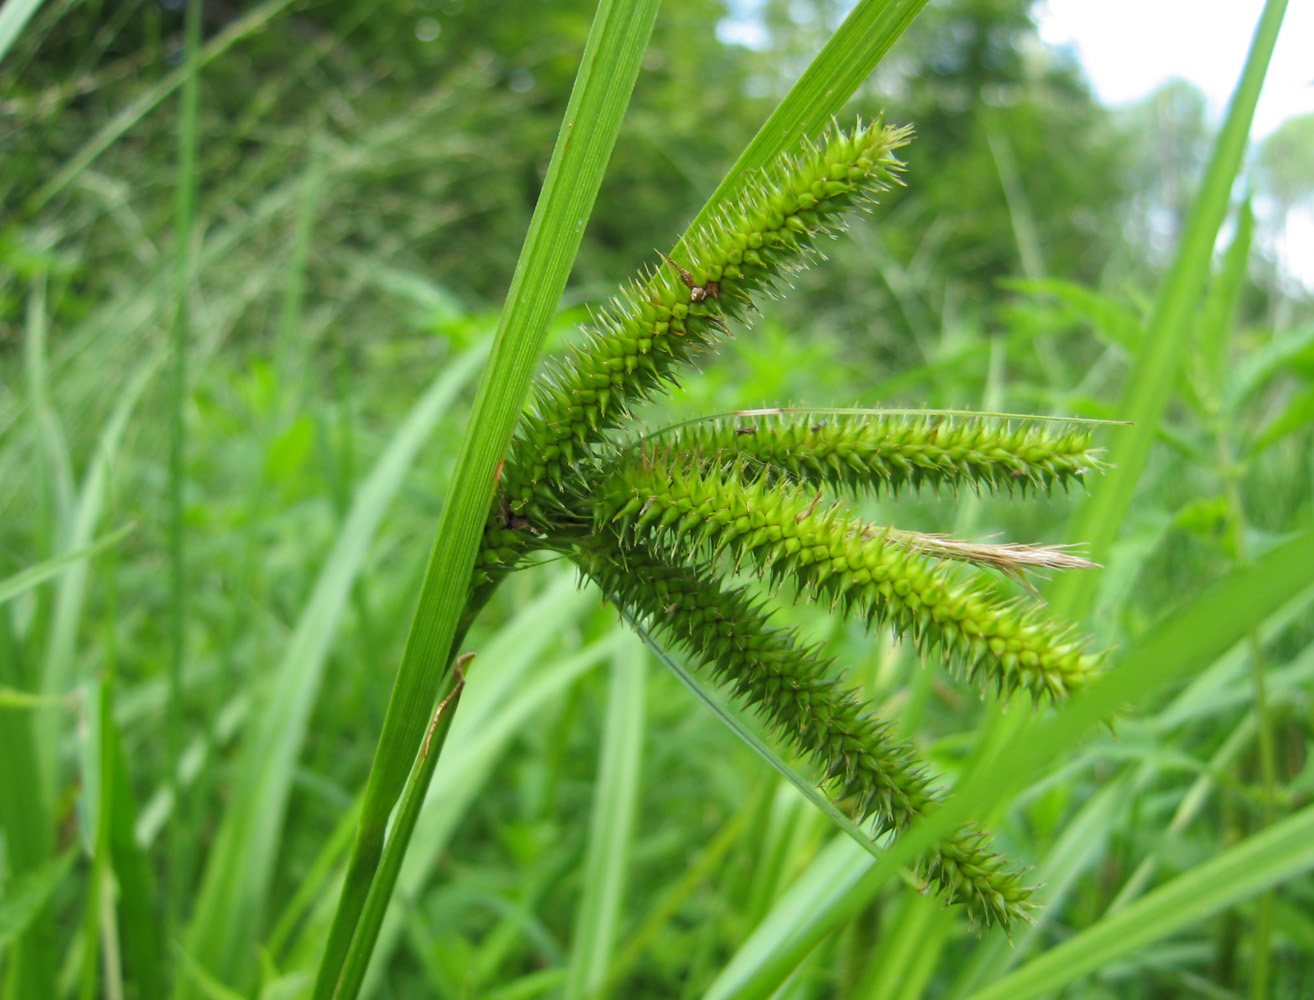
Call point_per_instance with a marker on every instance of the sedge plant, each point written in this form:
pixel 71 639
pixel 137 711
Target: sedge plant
pixel 554 479
pixel 655 520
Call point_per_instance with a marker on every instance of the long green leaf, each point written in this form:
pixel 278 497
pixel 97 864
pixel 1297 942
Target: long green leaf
pixel 25 580
pixel 28 894
pixel 608 69
pixel 180 336
pixel 501 696
pixel 597 922
pixel 58 669
pixel 14 15
pixel 840 68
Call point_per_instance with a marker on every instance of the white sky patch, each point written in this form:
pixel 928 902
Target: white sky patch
pixel 1296 247
pixel 740 31
pixel 1130 47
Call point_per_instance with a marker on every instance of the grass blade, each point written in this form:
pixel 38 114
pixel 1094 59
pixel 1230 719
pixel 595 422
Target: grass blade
pixel 499 699
pixel 597 923
pixel 33 576
pixel 49 431
pixel 608 69
pixel 839 69
pixel 14 16
pixel 184 225
pixel 482 733
pixel 28 894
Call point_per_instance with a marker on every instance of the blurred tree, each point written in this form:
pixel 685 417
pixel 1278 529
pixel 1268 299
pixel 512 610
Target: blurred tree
pixel 1285 162
pixel 1170 134
pixel 1012 148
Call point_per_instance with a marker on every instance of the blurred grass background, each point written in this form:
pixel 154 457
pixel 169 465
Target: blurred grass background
pixel 363 176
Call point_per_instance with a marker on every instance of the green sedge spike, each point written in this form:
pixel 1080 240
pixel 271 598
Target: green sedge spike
pixel 892 455
pixel 790 685
pixel 797 692
pixel 784 533
pixel 674 313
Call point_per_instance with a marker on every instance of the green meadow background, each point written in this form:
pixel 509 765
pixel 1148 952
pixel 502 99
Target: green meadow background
pixel 252 262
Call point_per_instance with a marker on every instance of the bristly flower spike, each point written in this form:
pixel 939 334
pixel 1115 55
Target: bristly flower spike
pixel 795 690
pixel 891 455
pixel 665 320
pixel 686 506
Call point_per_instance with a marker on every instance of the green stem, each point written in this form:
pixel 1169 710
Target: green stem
pixel 608 70
pixel 184 224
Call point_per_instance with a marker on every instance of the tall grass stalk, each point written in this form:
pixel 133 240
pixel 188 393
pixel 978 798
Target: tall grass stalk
pixel 608 69
pixel 185 186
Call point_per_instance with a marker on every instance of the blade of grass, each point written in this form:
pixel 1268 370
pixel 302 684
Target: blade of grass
pixel 235 885
pixel 462 772
pixel 908 951
pixel 184 225
pixel 408 812
pixel 140 928
pixel 58 667
pixel 98 790
pixel 25 580
pixel 597 922
pixel 27 895
pixel 608 69
pixel 839 69
pixel 29 843
pixel 498 700
pixel 1280 852
pixel 53 443
pixel 14 15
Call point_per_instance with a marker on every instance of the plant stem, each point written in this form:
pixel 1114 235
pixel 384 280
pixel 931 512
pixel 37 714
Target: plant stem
pixel 184 224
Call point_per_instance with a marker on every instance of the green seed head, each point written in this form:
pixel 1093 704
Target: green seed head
pixel 674 313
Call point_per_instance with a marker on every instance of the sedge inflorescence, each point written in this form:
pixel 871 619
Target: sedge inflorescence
pixel 656 521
